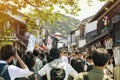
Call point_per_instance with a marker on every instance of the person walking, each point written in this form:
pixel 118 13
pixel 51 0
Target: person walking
pixel 77 63
pixel 38 62
pixel 56 62
pixel 100 58
pixel 7 54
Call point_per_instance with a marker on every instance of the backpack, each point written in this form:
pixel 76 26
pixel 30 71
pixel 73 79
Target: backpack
pixel 57 74
pixel 78 65
pixel 3 71
pixel 34 76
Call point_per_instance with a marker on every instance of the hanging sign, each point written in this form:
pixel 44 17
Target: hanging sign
pixel 117 55
pixel 31 43
pixel 108 43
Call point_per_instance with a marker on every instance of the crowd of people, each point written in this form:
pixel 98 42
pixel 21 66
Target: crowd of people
pixel 95 65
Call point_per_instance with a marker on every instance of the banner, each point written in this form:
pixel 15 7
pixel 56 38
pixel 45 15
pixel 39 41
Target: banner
pixel 31 43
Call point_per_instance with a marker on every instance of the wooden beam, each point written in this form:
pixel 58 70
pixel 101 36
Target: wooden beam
pixel 108 10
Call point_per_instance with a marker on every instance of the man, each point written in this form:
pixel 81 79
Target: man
pixel 100 59
pixel 56 62
pixel 38 62
pixel 89 65
pixel 77 63
pixel 78 55
pixel 63 56
pixel 7 54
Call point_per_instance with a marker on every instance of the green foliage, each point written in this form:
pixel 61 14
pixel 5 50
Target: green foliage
pixel 43 10
pixel 89 2
pixel 5 30
pixel 63 26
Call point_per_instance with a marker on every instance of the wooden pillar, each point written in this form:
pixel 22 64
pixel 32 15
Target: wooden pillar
pixel 117 73
pixel 117 63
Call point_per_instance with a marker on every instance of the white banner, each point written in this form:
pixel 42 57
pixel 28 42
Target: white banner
pixel 82 43
pixel 31 43
pixel 91 27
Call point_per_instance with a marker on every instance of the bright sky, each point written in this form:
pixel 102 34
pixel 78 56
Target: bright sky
pixel 87 10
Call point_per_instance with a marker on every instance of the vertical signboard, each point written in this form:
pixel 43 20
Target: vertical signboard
pixel 117 55
pixel 31 43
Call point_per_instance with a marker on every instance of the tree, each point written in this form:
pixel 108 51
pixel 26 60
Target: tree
pixel 42 8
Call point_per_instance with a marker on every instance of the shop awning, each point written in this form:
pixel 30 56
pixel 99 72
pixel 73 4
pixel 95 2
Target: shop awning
pixel 100 37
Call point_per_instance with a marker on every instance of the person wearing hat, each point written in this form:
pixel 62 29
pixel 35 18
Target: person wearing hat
pixel 77 63
pixel 56 62
pixel 78 55
pixel 64 56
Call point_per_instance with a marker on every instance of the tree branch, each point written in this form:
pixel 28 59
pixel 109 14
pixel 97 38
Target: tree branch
pixel 31 3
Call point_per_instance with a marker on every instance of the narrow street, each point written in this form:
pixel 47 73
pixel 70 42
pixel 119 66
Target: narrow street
pixel 59 39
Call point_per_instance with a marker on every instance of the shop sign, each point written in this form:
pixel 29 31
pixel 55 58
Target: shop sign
pixel 31 43
pixel 117 55
pixel 108 43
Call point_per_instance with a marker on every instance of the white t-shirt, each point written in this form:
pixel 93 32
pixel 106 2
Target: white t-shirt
pixel 110 67
pixel 16 72
pixel 37 65
pixel 67 67
pixel 65 59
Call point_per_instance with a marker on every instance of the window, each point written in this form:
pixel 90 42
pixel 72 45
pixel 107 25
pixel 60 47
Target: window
pixel 82 32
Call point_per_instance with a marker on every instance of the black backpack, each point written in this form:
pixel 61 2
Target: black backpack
pixel 3 71
pixel 57 74
pixel 34 76
pixel 78 65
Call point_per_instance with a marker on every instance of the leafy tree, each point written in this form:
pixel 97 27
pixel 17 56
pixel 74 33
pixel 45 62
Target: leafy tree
pixel 43 9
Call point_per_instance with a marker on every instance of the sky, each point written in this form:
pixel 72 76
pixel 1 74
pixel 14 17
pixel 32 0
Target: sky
pixel 87 10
